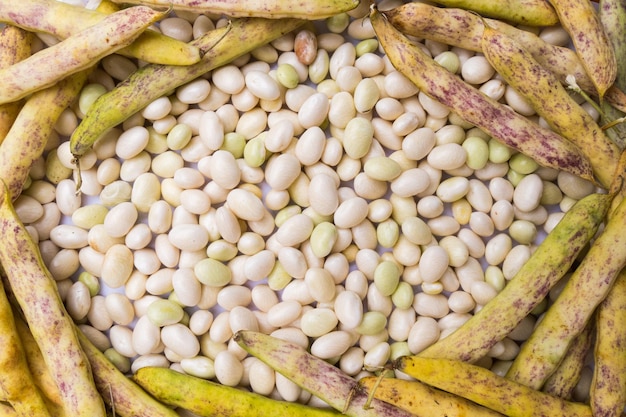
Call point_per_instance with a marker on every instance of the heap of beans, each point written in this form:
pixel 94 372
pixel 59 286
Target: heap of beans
pixel 308 191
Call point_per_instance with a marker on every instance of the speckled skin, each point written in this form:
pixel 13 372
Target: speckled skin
pixel 548 264
pixel 63 20
pixel 219 47
pixel 525 12
pixel 76 53
pixel 580 19
pixel 119 391
pixel 552 101
pixel 27 138
pixel 17 385
pixel 270 9
pixel 208 398
pixel 607 393
pixel 463 28
pixel 564 379
pixel 15 45
pixel 502 123
pixel 51 326
pixel 315 375
pixel 588 285
pixel 484 387
pixel 613 18
pixel 423 400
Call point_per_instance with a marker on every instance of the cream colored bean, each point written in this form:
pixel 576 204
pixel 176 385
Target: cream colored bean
pixel 78 301
pixel 160 282
pixel 241 318
pixel 398 86
pixel 514 260
pixel 502 214
pixel 69 237
pixel 138 237
pixel 135 166
pixel 115 192
pixel 135 287
pixel 229 79
pixel 282 170
pixel 146 261
pixel 310 146
pixel 435 306
pixel 119 308
pixel 97 315
pixel 189 237
pixel 117 265
pixel 67 199
pixel 320 284
pixel 91 260
pixel 131 142
pixel 180 340
pixel 573 187
pixel 350 212
pixel 293 261
pixel 461 302
pixel 527 194
pixel 194 91
pixel 64 264
pixel 121 340
pixel 433 263
pixel 259 265
pixel 444 225
pixel 482 292
pixel 497 248
pixel 295 230
pixel 262 85
pixel 351 361
pixel 400 323
pixel 423 333
pixel 120 219
pixel 228 368
pixel 369 64
pixel 501 189
pixel 283 313
pixel 331 345
pixel 245 205
pixel 366 95
pixel 481 224
pixel 186 286
pixel 447 156
pixel 348 78
pixel 314 110
pixel 377 356
pixel 452 189
pixel 518 102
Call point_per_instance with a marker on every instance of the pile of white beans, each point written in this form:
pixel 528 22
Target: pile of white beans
pixel 317 197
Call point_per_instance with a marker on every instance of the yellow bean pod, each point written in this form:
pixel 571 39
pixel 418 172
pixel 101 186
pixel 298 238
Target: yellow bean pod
pixel 564 379
pixel 421 399
pixel 17 385
pixel 37 365
pixel 525 12
pixel 15 45
pixel 118 391
pixel 580 19
pixel 207 398
pixel 547 265
pixel 588 285
pixel 62 20
pixel 27 138
pixel 75 53
pixel 315 375
pixel 488 389
pixel 552 101
pixel 499 121
pixel 607 394
pixel 219 47
pixel 52 327
pixel 269 9
pixel 462 28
